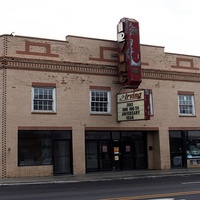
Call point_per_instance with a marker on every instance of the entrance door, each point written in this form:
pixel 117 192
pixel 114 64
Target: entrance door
pixel 117 151
pixel 92 156
pixel 104 156
pixel 98 155
pixel 133 155
pixel 61 157
pixel 116 155
pixel 177 153
pixel 128 155
pixel 140 154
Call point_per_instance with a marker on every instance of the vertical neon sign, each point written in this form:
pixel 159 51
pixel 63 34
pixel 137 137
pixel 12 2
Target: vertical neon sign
pixel 129 59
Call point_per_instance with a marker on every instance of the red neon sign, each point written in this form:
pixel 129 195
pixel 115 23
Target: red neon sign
pixel 129 59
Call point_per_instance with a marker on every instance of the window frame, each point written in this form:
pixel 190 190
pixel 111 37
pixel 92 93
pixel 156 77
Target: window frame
pixel 53 100
pixel 108 101
pixel 192 105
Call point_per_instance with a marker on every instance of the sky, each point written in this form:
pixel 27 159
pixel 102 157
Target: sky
pixel 173 24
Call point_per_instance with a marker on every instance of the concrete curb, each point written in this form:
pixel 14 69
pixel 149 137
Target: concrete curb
pixel 92 178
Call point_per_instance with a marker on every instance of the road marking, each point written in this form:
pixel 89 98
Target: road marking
pixel 154 196
pixel 164 199
pixel 197 182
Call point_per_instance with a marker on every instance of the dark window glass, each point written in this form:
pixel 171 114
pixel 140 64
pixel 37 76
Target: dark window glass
pixel 115 135
pixel 35 147
pixel 98 135
pixel 175 134
pixel 61 134
pixel 194 135
pixel 193 144
pixel 132 135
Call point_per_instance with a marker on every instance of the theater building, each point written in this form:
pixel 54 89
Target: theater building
pixel 59 109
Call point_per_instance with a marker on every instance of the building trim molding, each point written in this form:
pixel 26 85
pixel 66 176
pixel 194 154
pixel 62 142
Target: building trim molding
pixel 51 128
pixel 81 68
pixel 184 128
pixel 87 128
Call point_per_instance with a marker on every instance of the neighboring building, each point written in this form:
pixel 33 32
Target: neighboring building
pixel 59 116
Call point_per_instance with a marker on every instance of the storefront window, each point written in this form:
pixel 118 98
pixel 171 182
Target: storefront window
pixel 97 135
pixel 193 144
pixel 184 148
pixel 177 148
pixel 132 135
pixel 35 148
pixel 175 134
pixel 115 135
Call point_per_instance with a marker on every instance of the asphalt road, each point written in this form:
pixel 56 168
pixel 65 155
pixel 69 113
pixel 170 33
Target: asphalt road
pixel 177 188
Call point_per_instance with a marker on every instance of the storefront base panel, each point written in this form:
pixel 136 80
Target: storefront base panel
pixel 193 163
pixel 31 171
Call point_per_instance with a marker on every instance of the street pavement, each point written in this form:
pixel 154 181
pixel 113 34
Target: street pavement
pixel 98 176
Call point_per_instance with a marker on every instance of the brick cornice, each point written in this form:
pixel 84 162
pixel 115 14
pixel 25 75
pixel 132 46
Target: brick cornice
pixel 66 67
pixel 170 75
pixel 81 68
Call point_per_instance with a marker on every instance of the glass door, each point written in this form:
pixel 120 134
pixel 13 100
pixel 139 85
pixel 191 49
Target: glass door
pixel 133 155
pixel 92 156
pixel 176 152
pixel 104 156
pixel 116 155
pixel 62 157
pixel 98 155
pixel 128 155
pixel 140 154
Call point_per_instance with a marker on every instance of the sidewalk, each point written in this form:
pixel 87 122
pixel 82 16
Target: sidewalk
pixel 98 176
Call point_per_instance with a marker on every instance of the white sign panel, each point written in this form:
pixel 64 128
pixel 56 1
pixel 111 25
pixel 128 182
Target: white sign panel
pixel 131 111
pixel 131 106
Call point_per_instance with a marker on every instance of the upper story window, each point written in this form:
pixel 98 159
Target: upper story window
pixel 100 100
pixel 186 104
pixel 43 99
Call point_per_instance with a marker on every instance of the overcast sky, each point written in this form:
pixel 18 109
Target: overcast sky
pixel 173 24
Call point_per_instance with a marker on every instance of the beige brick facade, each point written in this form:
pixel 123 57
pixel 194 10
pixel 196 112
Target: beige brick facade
pixel 74 66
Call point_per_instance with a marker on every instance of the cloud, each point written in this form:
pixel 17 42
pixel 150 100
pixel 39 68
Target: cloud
pixel 169 23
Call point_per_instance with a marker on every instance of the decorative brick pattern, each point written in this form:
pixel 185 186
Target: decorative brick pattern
pixel 112 52
pixel 4 174
pixel 184 63
pixel 38 49
pixel 145 63
pixel 102 52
